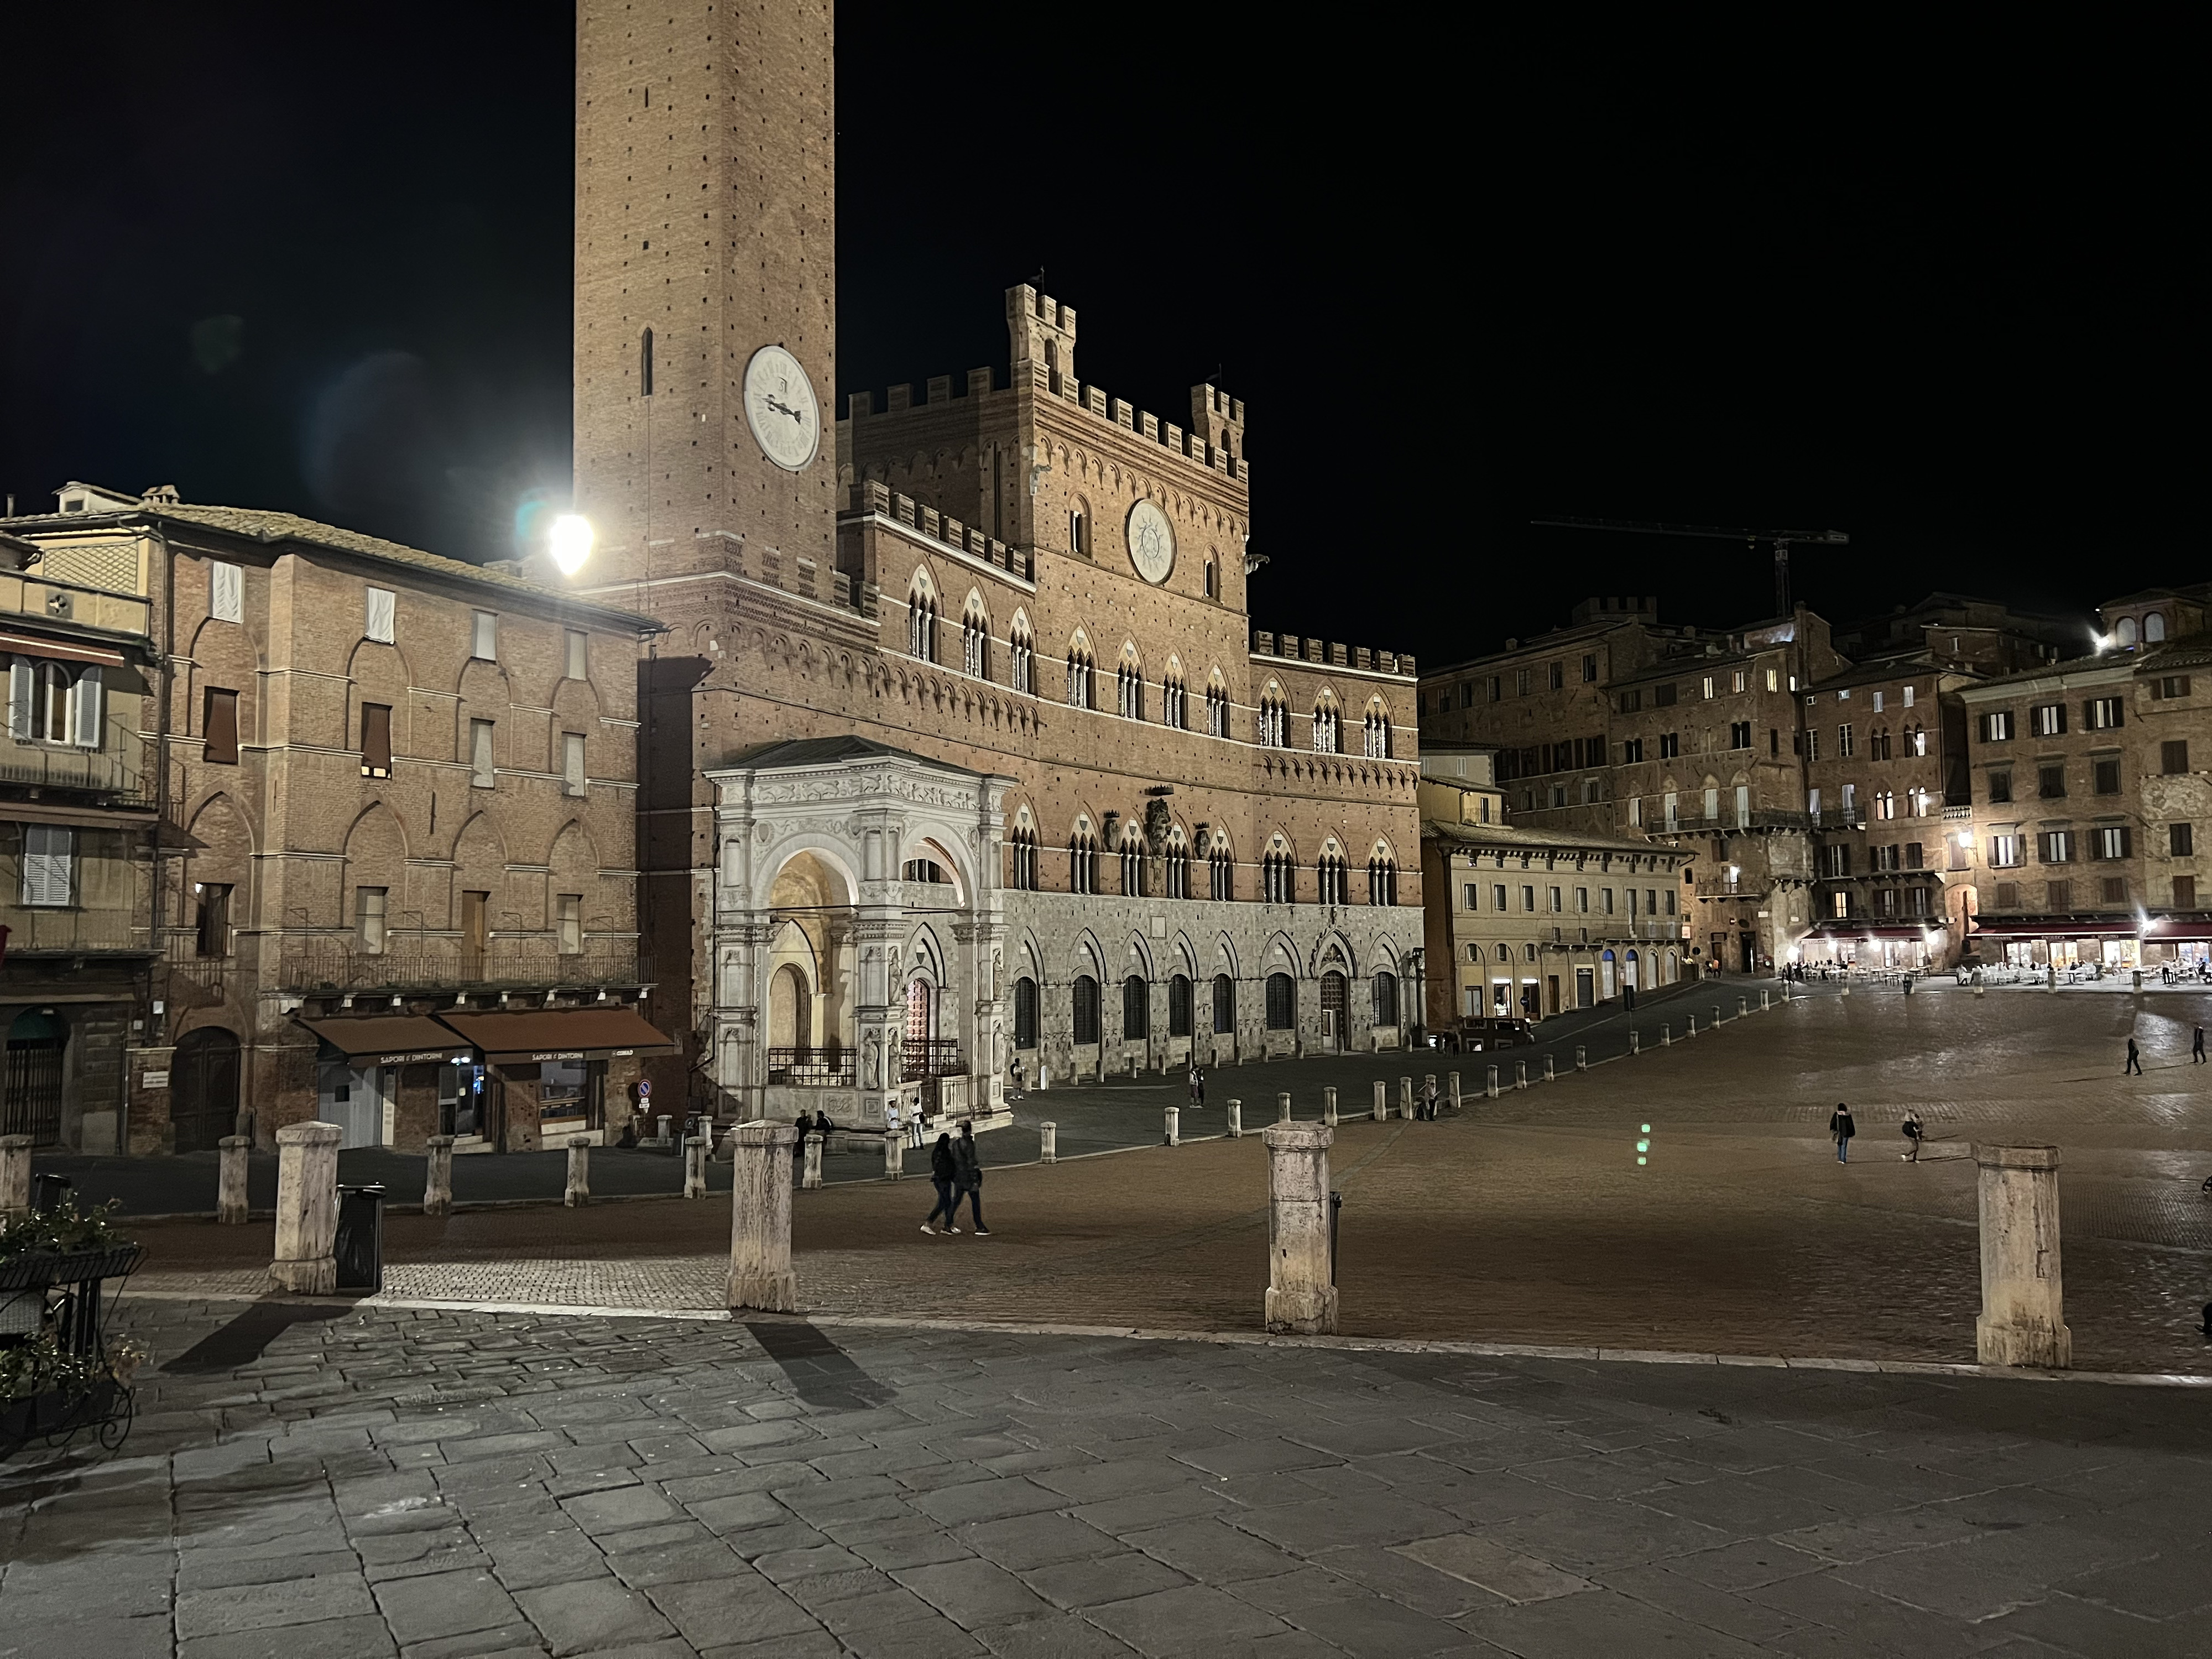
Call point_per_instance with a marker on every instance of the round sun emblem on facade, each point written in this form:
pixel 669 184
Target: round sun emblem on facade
pixel 1151 542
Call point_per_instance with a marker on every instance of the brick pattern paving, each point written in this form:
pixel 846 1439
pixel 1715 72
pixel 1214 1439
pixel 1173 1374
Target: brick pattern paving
pixel 376 1482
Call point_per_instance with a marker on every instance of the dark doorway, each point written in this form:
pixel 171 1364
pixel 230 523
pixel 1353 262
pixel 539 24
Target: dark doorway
pixel 204 1089
pixel 1332 1010
pixel 33 1108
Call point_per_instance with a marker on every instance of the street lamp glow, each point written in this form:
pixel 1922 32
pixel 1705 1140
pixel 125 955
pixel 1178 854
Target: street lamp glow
pixel 571 541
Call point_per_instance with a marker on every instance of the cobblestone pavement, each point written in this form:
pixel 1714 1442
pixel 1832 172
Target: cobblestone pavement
pixel 1528 1220
pixel 351 1482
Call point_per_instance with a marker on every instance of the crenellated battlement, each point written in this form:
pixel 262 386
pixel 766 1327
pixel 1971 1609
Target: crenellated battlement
pixel 948 532
pixel 1042 341
pixel 1359 659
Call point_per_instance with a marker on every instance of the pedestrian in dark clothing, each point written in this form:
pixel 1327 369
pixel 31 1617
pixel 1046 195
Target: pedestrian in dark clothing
pixel 2135 1059
pixel 1914 1134
pixel 971 1176
pixel 943 1172
pixel 803 1123
pixel 2197 1053
pixel 821 1125
pixel 1841 1127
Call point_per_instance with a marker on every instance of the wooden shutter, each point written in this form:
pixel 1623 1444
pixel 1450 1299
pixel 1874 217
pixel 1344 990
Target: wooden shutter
pixel 22 687
pixel 219 726
pixel 49 854
pixel 87 699
pixel 375 740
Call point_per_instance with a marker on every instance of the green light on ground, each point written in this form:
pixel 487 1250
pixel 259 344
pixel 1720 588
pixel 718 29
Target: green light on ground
pixel 1645 1130
pixel 1639 1162
pixel 1643 1145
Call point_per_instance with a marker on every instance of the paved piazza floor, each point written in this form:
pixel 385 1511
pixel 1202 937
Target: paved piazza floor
pixel 341 1483
pixel 1526 1220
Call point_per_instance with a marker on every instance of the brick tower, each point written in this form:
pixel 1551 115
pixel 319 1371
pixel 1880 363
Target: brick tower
pixel 705 231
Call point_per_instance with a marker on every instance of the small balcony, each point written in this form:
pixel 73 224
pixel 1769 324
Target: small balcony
pixel 51 600
pixel 1716 887
pixel 70 933
pixel 812 1068
pixel 108 771
pixel 311 965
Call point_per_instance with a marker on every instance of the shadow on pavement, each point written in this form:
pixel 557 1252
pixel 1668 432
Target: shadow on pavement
pixel 247 1337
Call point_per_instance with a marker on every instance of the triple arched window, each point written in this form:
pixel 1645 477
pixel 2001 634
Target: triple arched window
pixel 1275 721
pixel 1220 869
pixel 1330 869
pixel 975 642
pixel 1020 668
pixel 1132 864
pixel 1382 878
pixel 1178 868
pixel 1279 876
pixel 1129 689
pixel 1327 739
pixel 1022 859
pixel 1079 674
pixel 1174 704
pixel 1082 860
pixel 1378 733
pixel 921 623
pixel 1217 710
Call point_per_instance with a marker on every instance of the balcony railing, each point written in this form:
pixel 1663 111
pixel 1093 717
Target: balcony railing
pixel 812 1068
pixel 446 964
pixel 108 770
pixel 1742 887
pixel 930 1057
pixel 43 932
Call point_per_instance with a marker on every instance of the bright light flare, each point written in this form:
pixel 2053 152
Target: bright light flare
pixel 571 539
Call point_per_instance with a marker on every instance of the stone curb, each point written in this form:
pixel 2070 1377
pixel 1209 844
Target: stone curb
pixel 1239 1339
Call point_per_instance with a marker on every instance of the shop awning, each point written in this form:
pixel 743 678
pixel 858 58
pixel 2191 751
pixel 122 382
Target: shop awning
pixel 2058 927
pixel 1843 929
pixel 388 1039
pixel 33 645
pixel 560 1034
pixel 40 811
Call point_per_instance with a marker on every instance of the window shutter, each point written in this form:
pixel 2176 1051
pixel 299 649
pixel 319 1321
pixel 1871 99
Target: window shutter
pixel 572 762
pixel 219 726
pixel 376 739
pixel 22 686
pixel 226 593
pixel 485 645
pixel 86 700
pixel 378 622
pixel 2127 842
pixel 48 855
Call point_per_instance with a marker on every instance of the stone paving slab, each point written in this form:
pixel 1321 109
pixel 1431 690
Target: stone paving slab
pixel 1016 1494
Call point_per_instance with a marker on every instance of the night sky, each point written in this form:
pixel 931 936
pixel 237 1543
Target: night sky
pixel 321 262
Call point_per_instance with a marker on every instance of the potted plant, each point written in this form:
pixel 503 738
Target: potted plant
pixel 57 1373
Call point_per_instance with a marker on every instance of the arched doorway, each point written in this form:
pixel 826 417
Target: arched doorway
pixel 1025 1012
pixel 34 1106
pixel 204 1089
pixel 1605 972
pixel 1633 978
pixel 1332 1010
pixel 789 1026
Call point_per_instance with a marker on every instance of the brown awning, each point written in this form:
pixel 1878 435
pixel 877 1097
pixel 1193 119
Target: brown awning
pixel 560 1034
pixel 45 811
pixel 388 1039
pixel 30 645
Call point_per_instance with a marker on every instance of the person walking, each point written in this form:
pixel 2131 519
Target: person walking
pixel 1197 1087
pixel 2135 1059
pixel 1016 1069
pixel 1428 1100
pixel 970 1168
pixel 1841 1127
pixel 2196 1052
pixel 943 1172
pixel 1914 1134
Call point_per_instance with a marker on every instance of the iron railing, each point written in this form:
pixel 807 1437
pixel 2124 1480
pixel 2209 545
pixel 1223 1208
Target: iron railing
pixel 927 1057
pixel 35 930
pixel 812 1068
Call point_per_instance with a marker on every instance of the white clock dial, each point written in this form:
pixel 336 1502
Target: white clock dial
pixel 779 407
pixel 1151 542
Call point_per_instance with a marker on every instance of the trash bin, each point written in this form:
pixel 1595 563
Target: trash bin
pixel 46 1189
pixel 360 1245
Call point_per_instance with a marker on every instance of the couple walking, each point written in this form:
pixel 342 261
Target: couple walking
pixel 954 1168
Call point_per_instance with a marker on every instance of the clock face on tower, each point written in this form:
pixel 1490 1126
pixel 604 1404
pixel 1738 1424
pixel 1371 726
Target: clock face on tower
pixel 779 407
pixel 1151 542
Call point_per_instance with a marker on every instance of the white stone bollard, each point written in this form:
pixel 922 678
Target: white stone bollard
pixel 307 1208
pixel 437 1176
pixel 1520 1073
pixel 230 1201
pixel 694 1166
pixel 1381 1105
pixel 1763 1005
pixel 1301 1290
pixel 1282 1108
pixel 760 1218
pixel 1717 1016
pixel 894 1155
pixel 1847 988
pixel 1173 1126
pixel 1235 1120
pixel 1582 1058
pixel 1406 1099
pixel 2023 1319
pixel 1328 1107
pixel 1452 1078
pixel 810 1178
pixel 580 1172
pixel 1978 987
pixel 1047 1143
pixel 1742 1007
pixel 15 1177
pixel 1492 1090
pixel 1549 1076
pixel 1666 1037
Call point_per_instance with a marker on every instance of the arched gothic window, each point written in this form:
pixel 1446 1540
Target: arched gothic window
pixel 1275 721
pixel 1022 858
pixel 1018 663
pixel 975 642
pixel 1079 674
pixel 1129 689
pixel 1132 864
pixel 921 623
pixel 1178 867
pixel 1082 860
pixel 1220 869
pixel 1279 876
pixel 1916 742
pixel 1378 724
pixel 1174 707
pixel 1217 710
pixel 1331 870
pixel 1382 878
pixel 1327 739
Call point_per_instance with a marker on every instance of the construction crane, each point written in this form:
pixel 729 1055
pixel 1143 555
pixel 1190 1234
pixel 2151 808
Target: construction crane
pixel 1781 538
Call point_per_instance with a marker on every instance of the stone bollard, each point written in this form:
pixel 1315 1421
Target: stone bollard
pixel 1406 1099
pixel 894 1155
pixel 1328 1107
pixel 15 1177
pixel 1173 1126
pixel 1692 1029
pixel 1763 1005
pixel 1520 1073
pixel 1635 1041
pixel 580 1172
pixel 1666 1037
pixel 230 1202
pixel 1582 1058
pixel 1451 1079
pixel 307 1208
pixel 2023 1304
pixel 811 1177
pixel 1978 987
pixel 694 1166
pixel 1548 1074
pixel 760 1218
pixel 1717 1016
pixel 1428 1085
pixel 1847 988
pixel 1492 1091
pixel 1742 1007
pixel 1235 1120
pixel 1301 1287
pixel 1047 1143
pixel 1382 1105
pixel 437 1176
pixel 1282 1108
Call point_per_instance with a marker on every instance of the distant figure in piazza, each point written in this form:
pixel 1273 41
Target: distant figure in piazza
pixel 1841 1127
pixel 1015 1068
pixel 1197 1088
pixel 970 1167
pixel 1914 1134
pixel 1428 1100
pixel 2135 1059
pixel 944 1172
pixel 2196 1050
pixel 891 1117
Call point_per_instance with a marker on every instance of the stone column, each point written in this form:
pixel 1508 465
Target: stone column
pixel 2023 1313
pixel 760 1218
pixel 811 1178
pixel 230 1201
pixel 1453 1079
pixel 1493 1089
pixel 1382 1105
pixel 580 1172
pixel 893 1153
pixel 1301 1290
pixel 1763 1005
pixel 1520 1073
pixel 1173 1128
pixel 15 1177
pixel 1235 1120
pixel 1048 1141
pixel 437 1176
pixel 1549 1074
pixel 307 1208
pixel 1635 1041
pixel 1582 1058
pixel 1716 1015
pixel 1406 1099
pixel 1283 1107
pixel 1690 1029
pixel 694 1166
pixel 1328 1107
pixel 1742 1007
